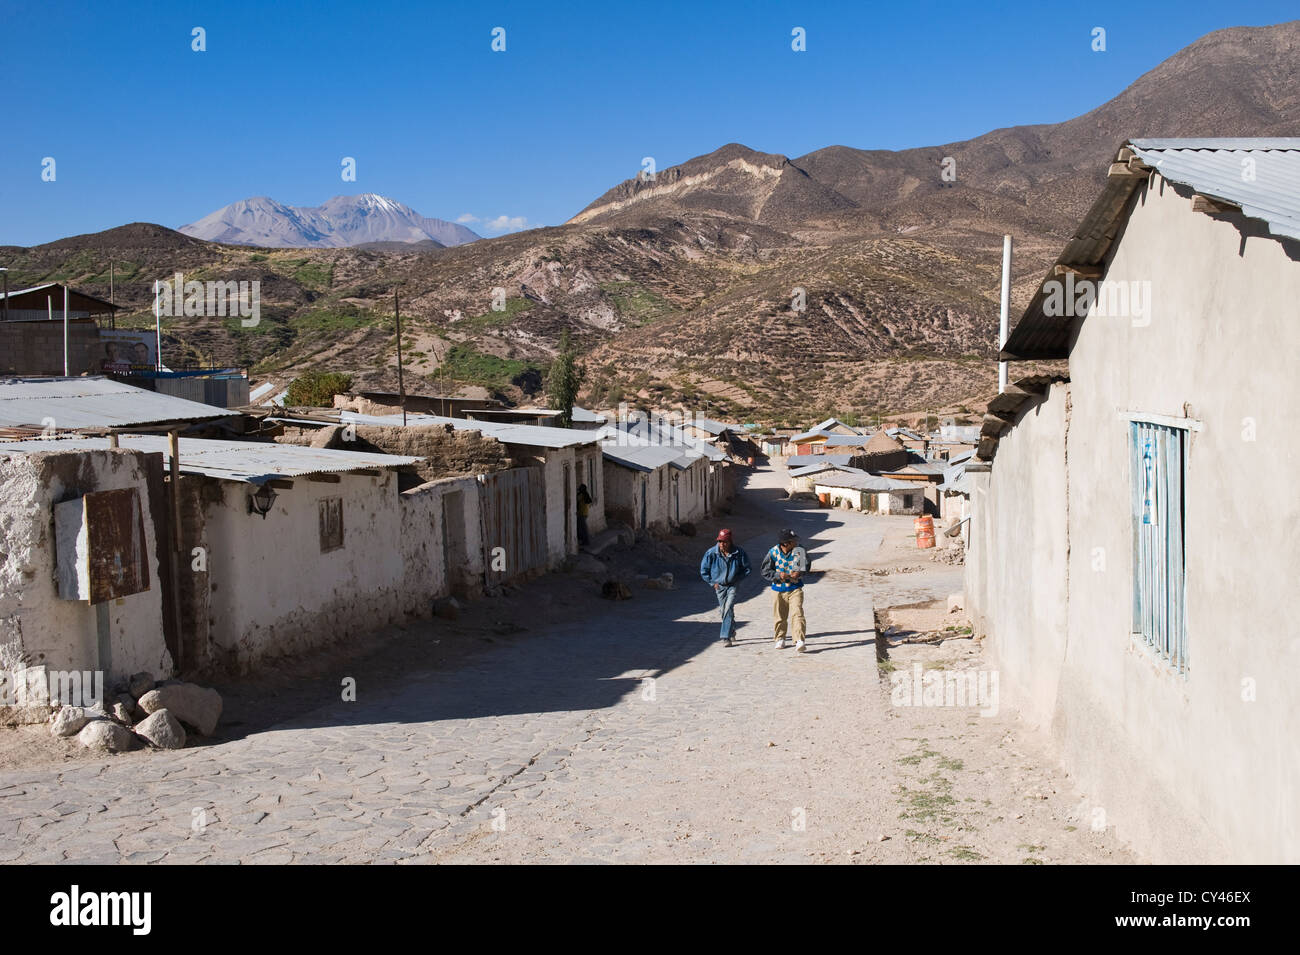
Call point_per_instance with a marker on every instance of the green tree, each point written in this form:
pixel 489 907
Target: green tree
pixel 564 380
pixel 317 389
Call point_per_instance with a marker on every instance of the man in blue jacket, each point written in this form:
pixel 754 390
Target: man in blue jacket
pixel 724 566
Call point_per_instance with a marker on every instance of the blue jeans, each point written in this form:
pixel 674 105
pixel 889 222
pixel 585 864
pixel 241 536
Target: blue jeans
pixel 727 604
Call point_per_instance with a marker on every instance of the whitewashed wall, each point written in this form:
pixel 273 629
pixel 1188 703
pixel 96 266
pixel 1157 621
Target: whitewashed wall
pixel 63 634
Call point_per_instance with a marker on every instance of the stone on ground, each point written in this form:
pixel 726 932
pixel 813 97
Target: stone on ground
pixel 162 730
pixel 68 721
pixel 194 705
pixel 105 735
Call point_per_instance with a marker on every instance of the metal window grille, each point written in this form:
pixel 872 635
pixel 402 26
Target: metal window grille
pixel 1159 462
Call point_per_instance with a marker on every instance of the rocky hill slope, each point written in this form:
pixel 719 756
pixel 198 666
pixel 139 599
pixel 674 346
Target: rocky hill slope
pixel 744 284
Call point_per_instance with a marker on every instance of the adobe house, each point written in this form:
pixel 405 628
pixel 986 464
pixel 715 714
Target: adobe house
pixel 804 476
pixel 281 548
pixel 657 486
pixel 871 493
pixel 1136 601
pixel 31 330
pixel 882 453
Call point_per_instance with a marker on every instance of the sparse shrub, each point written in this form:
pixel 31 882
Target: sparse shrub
pixel 317 389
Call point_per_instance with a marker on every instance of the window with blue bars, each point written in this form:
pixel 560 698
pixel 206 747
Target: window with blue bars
pixel 1159 464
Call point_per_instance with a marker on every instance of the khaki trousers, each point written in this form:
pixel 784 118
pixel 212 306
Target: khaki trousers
pixel 787 608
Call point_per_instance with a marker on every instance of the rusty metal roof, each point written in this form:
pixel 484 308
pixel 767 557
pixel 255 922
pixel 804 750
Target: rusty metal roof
pixel 246 461
pixel 71 404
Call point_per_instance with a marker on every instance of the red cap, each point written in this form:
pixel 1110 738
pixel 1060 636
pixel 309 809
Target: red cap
pixel 725 535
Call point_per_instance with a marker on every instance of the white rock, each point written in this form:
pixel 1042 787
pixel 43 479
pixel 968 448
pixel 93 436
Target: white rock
pixel 68 721
pixel 193 705
pixel 161 729
pixel 105 735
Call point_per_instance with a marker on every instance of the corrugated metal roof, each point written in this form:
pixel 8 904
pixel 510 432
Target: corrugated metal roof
pixel 866 482
pixel 85 403
pixel 846 440
pixel 663 435
pixel 920 467
pixel 817 468
pixel 812 459
pixel 246 461
pixel 648 457
pixel 1217 168
pixel 807 435
pixel 1212 167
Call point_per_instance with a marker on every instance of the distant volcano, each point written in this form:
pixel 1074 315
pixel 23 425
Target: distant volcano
pixel 340 222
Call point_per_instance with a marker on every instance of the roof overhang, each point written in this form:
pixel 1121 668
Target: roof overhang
pixel 1212 168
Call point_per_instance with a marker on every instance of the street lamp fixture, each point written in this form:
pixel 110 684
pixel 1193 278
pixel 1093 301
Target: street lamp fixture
pixel 261 500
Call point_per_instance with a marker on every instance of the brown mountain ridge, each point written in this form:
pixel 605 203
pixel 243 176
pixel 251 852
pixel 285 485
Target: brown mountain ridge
pixel 686 288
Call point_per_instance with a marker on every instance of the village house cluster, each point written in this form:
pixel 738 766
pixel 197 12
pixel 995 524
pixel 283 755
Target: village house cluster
pixel 148 533
pixel 882 470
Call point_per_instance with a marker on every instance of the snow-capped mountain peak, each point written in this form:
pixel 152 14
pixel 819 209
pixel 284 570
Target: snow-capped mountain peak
pixel 341 221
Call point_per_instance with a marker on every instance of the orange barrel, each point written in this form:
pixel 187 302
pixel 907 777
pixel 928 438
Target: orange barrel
pixel 924 531
pixel 824 499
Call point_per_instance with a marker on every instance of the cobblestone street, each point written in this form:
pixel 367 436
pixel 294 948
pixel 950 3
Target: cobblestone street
pixel 626 734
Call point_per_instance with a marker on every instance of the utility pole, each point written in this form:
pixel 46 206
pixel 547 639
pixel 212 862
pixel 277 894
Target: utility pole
pixel 6 272
pixel 401 386
pixel 1006 307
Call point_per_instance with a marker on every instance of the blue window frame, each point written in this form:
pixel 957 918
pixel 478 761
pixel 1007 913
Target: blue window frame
pixel 1159 466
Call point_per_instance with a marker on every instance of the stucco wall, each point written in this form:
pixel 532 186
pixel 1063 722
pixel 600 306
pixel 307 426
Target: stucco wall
pixel 1016 568
pixel 622 501
pixel 1220 349
pixel 63 634
pixel 425 573
pixel 1202 767
pixel 273 590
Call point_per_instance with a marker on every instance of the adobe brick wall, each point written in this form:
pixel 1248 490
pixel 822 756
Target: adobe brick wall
pixel 449 453
pixel 36 348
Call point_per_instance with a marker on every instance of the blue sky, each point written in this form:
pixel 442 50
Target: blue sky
pixel 143 128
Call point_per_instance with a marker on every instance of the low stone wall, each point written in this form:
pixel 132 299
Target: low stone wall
pixel 449 452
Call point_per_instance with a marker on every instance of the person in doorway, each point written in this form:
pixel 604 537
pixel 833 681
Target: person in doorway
pixel 784 567
pixel 724 566
pixel 584 508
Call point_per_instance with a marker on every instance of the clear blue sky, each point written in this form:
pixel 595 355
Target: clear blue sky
pixel 142 128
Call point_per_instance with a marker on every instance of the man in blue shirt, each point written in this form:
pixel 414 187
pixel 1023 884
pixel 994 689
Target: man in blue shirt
pixel 724 566
pixel 784 567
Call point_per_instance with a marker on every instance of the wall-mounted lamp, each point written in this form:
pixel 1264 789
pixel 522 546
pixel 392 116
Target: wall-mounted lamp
pixel 260 502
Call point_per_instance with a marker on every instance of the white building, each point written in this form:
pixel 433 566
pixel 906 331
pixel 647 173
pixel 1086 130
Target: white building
pixel 1137 599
